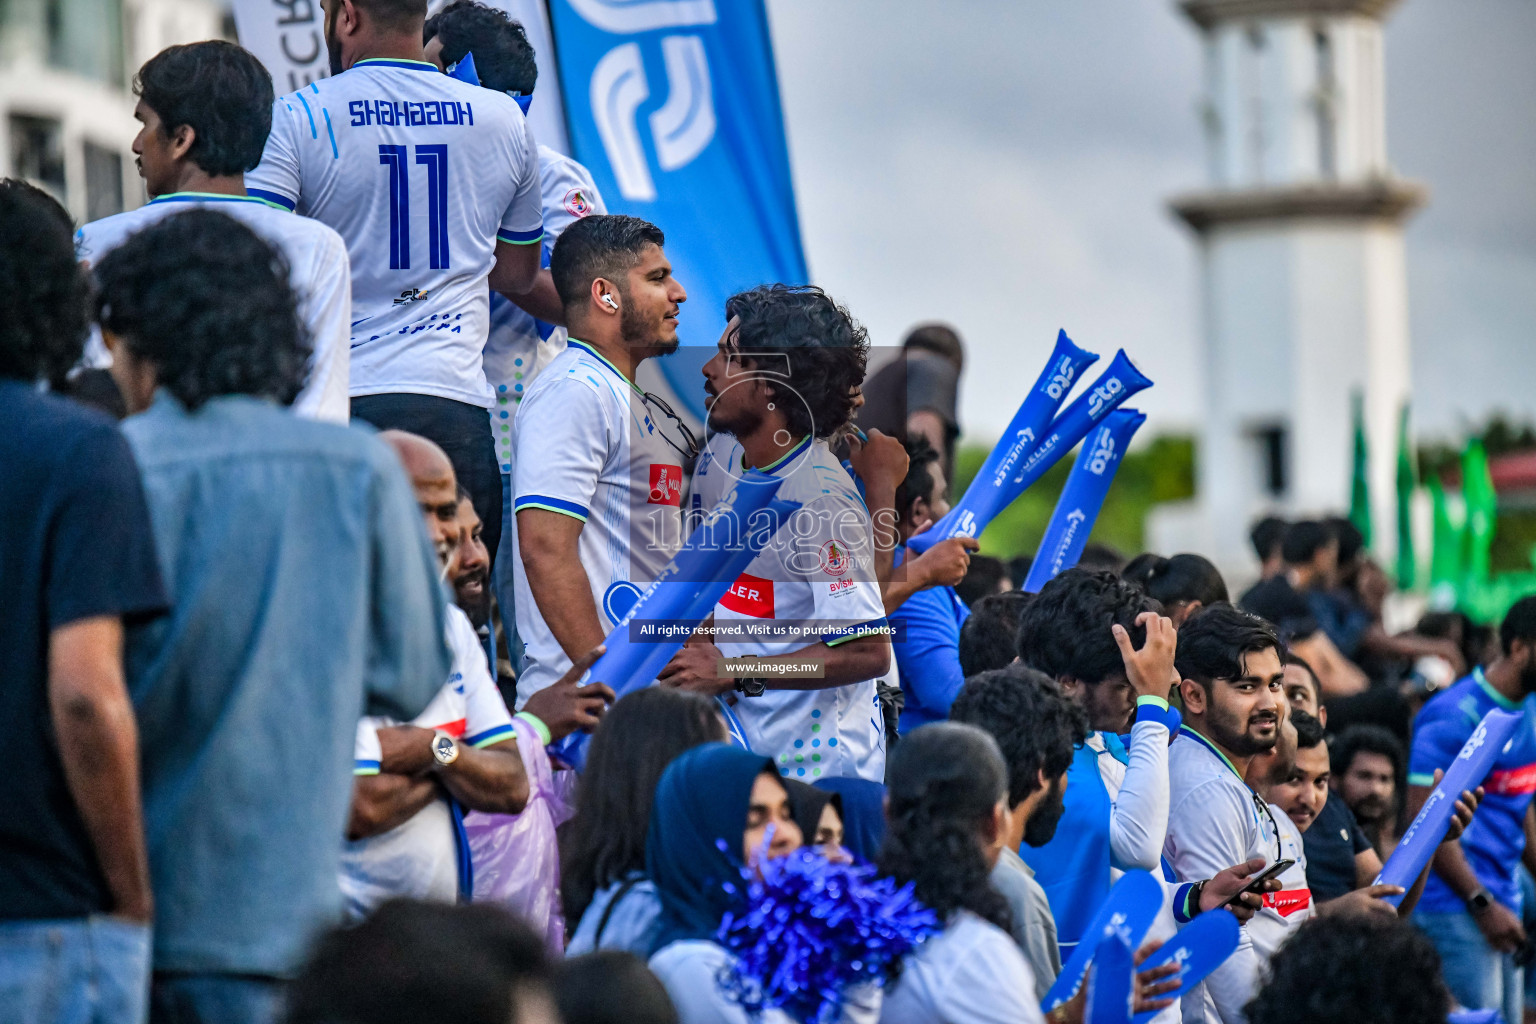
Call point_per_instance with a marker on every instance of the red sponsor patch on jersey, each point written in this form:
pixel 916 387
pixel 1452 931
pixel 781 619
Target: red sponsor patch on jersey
pixel 1511 781
pixel 750 595
pixel 1287 901
pixel 666 484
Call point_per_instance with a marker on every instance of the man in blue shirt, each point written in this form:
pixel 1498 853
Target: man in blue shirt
pixel 927 647
pixel 303 596
pixel 1471 902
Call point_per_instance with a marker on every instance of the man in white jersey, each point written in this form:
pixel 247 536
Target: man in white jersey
pixel 415 779
pixel 598 467
pixel 433 183
pixel 782 383
pixel 1232 686
pixel 519 346
pixel 206 109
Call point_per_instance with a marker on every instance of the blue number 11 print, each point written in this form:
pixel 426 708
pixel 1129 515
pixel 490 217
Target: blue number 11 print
pixel 436 160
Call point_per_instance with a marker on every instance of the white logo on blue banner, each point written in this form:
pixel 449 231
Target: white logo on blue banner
pixel 647 85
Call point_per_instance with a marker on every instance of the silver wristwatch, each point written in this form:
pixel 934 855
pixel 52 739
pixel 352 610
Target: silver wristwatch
pixel 445 749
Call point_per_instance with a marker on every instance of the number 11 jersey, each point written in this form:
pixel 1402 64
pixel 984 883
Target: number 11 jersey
pixel 421 175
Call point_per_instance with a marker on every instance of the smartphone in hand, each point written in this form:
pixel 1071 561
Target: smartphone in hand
pixel 1275 870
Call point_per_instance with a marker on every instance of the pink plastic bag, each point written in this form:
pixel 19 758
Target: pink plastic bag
pixel 517 861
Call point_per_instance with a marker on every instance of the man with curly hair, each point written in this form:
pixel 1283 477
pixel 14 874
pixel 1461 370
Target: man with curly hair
pixel 1105 644
pixel 1353 970
pixel 808 609
pixel 77 557
pixel 303 592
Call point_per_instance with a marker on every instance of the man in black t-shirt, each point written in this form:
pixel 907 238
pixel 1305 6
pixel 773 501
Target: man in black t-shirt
pixel 77 559
pixel 1339 856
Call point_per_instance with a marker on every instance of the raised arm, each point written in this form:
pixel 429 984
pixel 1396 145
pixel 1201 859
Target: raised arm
pixel 1138 825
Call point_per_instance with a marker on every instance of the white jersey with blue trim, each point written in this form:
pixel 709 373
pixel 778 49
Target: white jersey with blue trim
pixel 318 271
pixel 422 175
pixel 520 347
pixel 817 578
pixel 588 446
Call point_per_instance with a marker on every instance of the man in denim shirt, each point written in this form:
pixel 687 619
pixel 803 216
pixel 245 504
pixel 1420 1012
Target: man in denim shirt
pixel 304 595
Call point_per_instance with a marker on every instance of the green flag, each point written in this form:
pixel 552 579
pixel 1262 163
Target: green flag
pixel 1407 480
pixel 1449 544
pixel 1360 489
pixel 1482 509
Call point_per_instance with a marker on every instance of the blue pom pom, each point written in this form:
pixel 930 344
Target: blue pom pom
pixel 810 930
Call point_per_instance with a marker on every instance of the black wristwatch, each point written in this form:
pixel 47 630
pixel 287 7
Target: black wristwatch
pixel 751 686
pixel 1479 901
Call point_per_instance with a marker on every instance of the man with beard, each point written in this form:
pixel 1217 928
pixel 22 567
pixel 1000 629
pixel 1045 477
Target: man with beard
pixel 434 186
pixel 415 779
pixel 597 475
pixel 1368 761
pixel 471 567
pixel 1111 653
pixel 808 608
pixel 1471 903
pixel 1037 729
pixel 1232 686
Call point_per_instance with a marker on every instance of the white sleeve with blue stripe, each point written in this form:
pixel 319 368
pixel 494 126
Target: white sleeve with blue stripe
pixel 367 752
pixel 559 461
pixel 523 221
pixel 277 179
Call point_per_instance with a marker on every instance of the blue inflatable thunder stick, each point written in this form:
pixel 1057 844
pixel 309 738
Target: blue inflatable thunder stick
pixel 1083 497
pixel 990 494
pixel 1467 772
pixel 1129 909
pixel 986 495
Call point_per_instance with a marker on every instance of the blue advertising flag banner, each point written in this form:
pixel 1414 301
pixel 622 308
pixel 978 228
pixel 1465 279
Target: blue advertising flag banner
pixel 1467 772
pixel 1083 497
pixel 674 107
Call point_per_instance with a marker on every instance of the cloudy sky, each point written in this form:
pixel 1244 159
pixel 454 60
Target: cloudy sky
pixel 1003 165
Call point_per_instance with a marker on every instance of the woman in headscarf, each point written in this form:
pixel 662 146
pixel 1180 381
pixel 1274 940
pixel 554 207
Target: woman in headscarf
pixel 717 809
pixel 819 814
pixel 862 806
pixel 602 876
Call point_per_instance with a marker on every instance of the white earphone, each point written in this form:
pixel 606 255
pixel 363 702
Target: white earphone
pixel 608 301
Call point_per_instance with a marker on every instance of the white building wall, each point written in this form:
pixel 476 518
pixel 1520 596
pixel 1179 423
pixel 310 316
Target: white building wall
pixel 95 109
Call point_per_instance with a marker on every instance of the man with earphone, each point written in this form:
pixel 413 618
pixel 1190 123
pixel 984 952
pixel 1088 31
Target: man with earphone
pixel 597 471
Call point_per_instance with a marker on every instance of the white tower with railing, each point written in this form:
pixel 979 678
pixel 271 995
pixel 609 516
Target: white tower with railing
pixel 1303 283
